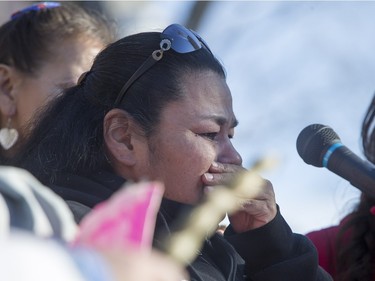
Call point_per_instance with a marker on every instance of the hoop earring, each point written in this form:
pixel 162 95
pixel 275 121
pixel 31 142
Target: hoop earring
pixel 8 136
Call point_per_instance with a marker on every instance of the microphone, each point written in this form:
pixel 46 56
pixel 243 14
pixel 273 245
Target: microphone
pixel 320 146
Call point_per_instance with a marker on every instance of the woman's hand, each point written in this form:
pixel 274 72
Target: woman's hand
pixel 253 212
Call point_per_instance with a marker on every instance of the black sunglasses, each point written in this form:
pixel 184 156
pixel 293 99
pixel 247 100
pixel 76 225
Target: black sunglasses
pixel 35 7
pixel 176 37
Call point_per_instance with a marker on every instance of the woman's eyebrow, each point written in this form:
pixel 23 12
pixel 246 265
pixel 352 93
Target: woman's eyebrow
pixel 221 120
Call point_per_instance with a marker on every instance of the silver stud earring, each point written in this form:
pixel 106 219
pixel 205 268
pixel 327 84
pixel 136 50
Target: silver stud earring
pixel 8 136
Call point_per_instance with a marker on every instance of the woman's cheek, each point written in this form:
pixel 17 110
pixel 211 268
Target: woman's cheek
pixel 204 156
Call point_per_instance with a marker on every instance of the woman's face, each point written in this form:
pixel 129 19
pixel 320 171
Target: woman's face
pixel 70 58
pixel 192 134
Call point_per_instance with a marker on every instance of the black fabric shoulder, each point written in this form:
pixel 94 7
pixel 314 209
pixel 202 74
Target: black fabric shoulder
pixel 79 210
pixel 88 190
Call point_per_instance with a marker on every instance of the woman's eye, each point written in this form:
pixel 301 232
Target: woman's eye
pixel 210 136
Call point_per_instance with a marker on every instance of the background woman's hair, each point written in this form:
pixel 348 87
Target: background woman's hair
pixel 356 244
pixel 28 40
pixel 69 135
pixel 356 240
pixel 368 132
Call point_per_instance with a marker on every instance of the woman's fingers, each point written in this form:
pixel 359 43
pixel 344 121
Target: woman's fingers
pixel 255 212
pixel 221 174
pixel 255 208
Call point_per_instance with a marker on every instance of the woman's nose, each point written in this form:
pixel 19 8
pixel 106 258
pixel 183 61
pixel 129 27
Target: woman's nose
pixel 229 155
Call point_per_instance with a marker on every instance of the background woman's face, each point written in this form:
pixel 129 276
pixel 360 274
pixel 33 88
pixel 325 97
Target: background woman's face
pixel 70 58
pixel 193 133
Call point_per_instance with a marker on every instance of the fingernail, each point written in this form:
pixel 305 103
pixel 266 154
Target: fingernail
pixel 208 176
pixel 214 164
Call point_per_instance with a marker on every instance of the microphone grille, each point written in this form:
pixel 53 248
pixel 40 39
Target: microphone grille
pixel 313 142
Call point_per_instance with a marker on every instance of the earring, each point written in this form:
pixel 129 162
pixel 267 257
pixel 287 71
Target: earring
pixel 8 136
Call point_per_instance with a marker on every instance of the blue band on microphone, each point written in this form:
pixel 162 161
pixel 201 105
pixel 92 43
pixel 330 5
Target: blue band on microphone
pixel 329 152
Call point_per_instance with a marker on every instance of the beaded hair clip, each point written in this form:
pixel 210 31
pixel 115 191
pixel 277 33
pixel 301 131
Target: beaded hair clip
pixel 35 7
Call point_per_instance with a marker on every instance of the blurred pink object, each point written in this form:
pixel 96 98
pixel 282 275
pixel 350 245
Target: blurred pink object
pixel 125 221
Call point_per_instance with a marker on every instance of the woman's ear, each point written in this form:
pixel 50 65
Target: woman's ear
pixel 117 130
pixel 7 100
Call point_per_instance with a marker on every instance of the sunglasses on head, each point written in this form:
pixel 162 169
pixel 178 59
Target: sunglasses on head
pixel 176 37
pixel 35 7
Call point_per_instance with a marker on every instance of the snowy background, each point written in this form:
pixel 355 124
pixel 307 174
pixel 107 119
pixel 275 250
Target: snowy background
pixel 289 64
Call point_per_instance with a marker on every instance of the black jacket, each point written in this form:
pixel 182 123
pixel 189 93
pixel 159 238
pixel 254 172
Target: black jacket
pixel 272 252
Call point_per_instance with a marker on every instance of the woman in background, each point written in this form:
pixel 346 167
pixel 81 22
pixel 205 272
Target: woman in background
pixel 347 250
pixel 43 49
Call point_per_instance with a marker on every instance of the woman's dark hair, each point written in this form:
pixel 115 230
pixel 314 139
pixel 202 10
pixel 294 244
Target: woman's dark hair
pixel 356 239
pixel 69 135
pixel 28 40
